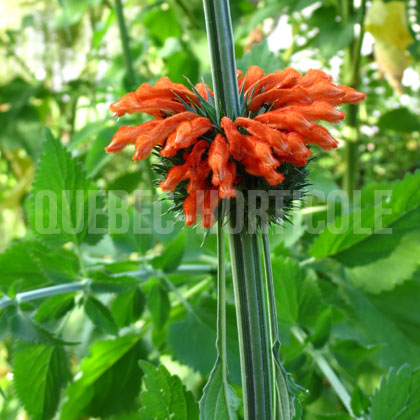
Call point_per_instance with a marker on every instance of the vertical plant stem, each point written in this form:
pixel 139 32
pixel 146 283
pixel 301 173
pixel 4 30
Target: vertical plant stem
pixel 254 341
pixel 244 248
pixel 352 68
pixel 222 54
pixel 282 401
pixel 131 76
pixel 125 42
pixel 221 293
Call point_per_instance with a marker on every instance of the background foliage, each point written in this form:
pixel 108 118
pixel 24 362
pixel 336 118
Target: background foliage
pixel 348 300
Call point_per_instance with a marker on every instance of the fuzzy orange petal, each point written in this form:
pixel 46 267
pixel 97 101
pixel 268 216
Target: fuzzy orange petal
pixel 175 175
pixel 165 87
pixel 235 138
pixel 280 97
pixel 262 131
pixel 155 106
pixel 128 135
pixel 218 158
pixel 186 135
pixel 252 76
pixel 280 79
pixel 147 141
pixel 312 76
pixel 226 188
pixel 316 111
pixel 190 209
pixel 326 91
pixel 257 168
pixel 298 153
pixel 260 150
pixel 197 175
pixel 294 121
pixel 207 207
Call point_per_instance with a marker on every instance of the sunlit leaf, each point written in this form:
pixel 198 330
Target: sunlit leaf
pixel 40 372
pixel 165 397
pixel 64 206
pixel 110 379
pixel 100 315
pixel 398 397
pixel 219 401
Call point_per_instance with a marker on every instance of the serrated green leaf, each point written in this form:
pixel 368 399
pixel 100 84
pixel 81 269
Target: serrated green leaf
pixel 104 282
pixel 100 315
pixel 355 247
pixel 401 307
pixel 40 372
pixel 219 401
pixel 55 307
pixel 159 305
pixel 165 396
pixel 172 255
pixel 34 264
pixel 383 329
pixel 128 307
pixel 64 205
pixel 398 397
pixel 22 326
pixel 297 294
pixel 385 273
pixel 110 380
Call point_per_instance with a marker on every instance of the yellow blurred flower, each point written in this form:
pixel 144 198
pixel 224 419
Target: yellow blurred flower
pixel 388 24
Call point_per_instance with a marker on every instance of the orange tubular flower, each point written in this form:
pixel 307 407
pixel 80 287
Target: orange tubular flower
pixel 214 159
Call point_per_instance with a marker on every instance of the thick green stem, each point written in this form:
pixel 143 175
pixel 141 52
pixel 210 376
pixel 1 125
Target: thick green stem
pixel 254 341
pixel 222 54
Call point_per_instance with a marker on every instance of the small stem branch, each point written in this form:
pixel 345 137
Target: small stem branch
pixel 43 293
pixel 327 370
pixel 60 289
pixel 131 78
pixel 178 294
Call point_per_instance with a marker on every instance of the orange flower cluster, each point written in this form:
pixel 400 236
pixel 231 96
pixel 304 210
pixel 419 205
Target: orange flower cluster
pixel 281 110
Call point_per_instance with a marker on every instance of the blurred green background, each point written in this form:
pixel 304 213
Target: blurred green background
pixel 62 62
